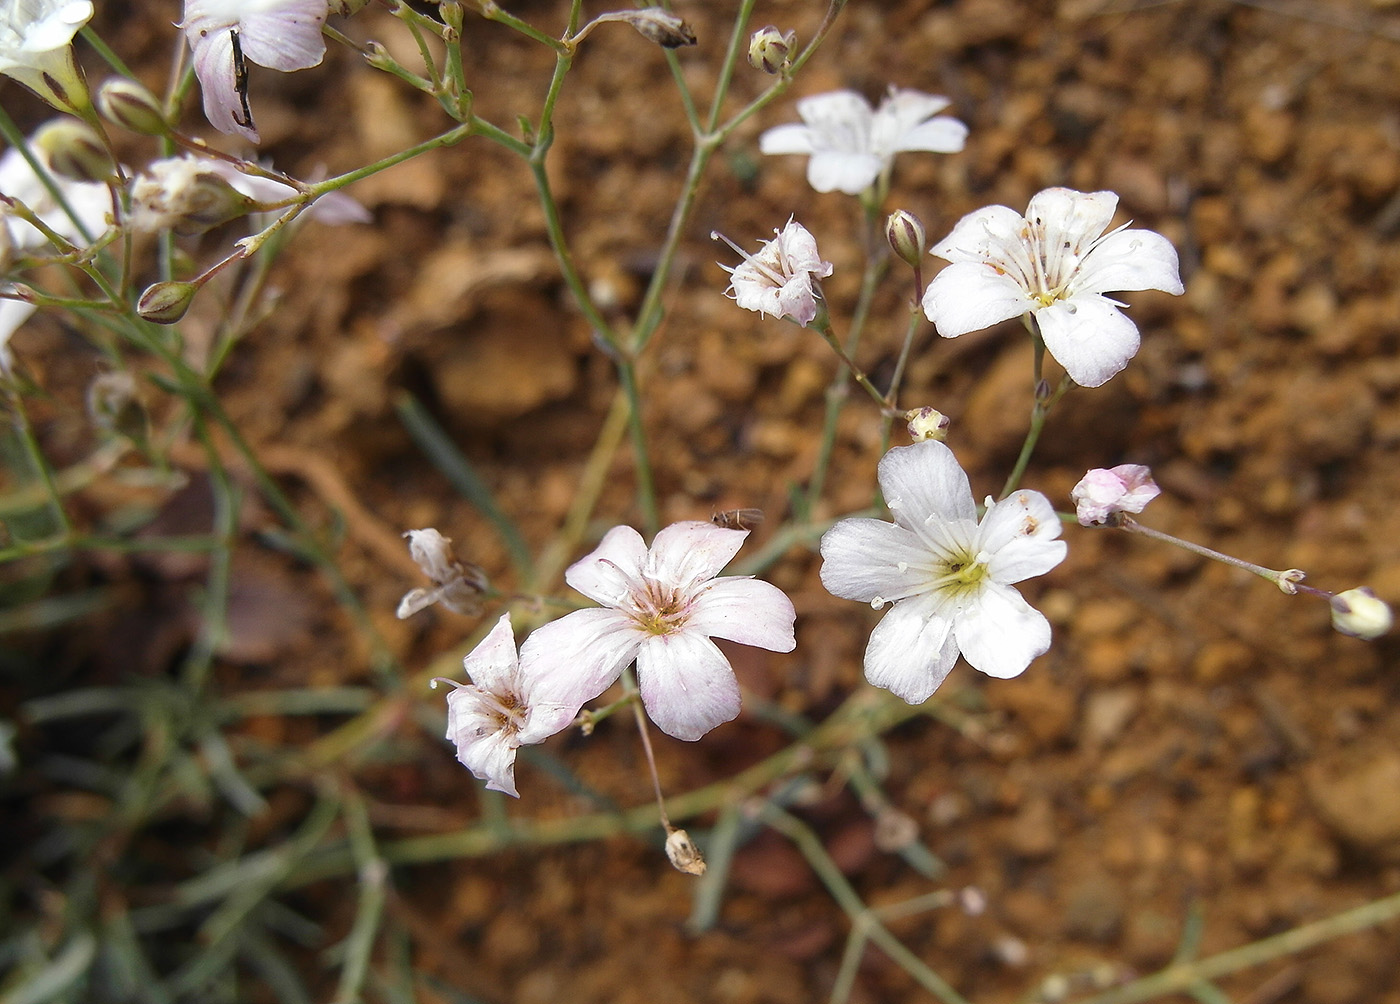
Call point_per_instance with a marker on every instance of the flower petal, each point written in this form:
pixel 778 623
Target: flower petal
pixel 1000 633
pixel 1089 336
pixel 489 755
pixel 492 665
pixel 791 137
pixel 968 296
pixel 923 479
pixel 568 662
pixel 749 611
pixel 692 551
pixel 213 64
pixel 861 560
pixel 687 685
pixel 1019 533
pixel 911 651
pixel 285 36
pixel 605 575
pixel 939 135
pixel 849 171
pixel 1130 259
pixel 981 234
pixel 1067 218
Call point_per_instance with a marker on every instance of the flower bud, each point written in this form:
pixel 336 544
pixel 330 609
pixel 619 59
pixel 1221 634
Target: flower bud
pixel 74 150
pixel 684 855
pixel 907 238
pixel 130 105
pixel 184 194
pixel 166 302
pixel 927 423
pixel 1361 614
pixel 659 25
pixel 1102 493
pixel 770 48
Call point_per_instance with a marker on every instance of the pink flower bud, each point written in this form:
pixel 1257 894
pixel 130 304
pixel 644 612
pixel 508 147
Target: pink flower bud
pixel 1102 493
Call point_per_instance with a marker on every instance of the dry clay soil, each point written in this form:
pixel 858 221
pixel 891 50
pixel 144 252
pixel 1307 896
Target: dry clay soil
pixel 1193 736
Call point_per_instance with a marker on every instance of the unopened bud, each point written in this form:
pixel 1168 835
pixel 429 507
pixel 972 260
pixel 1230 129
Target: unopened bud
pixel 770 48
pixel 684 855
pixel 131 106
pixel 927 423
pixel 73 150
pixel 907 238
pixel 659 25
pixel 166 302
pixel 1361 614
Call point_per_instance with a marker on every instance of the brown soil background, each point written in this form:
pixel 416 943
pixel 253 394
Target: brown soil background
pixel 1192 736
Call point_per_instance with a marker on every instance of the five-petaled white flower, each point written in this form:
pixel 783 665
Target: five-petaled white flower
pixel 852 145
pixel 661 607
pixel 949 576
pixel 778 280
pixel 36 47
pixel 278 34
pixel 1102 492
pixel 512 701
pixel 1057 263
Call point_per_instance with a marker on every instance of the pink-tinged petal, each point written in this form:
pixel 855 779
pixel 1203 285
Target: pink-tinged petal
pixel 968 296
pixel 862 559
pixel 1089 336
pixel 492 664
pixel 605 576
pixel 1130 259
pixel 284 36
pixel 749 611
pixel 491 758
pixel 849 171
pixel 213 64
pixel 687 685
pixel 789 138
pixel 568 662
pixel 1067 217
pixel 911 651
pixel 545 720
pixel 1000 633
pixel 940 135
pixel 692 551
pixel 981 234
pixel 923 479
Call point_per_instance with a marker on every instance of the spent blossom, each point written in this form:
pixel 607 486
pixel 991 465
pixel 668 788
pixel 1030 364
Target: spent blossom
pixel 949 576
pixel 852 145
pixel 225 35
pixel 662 606
pixel 456 585
pixel 778 280
pixel 1103 492
pixel 512 701
pixel 1055 263
pixel 36 48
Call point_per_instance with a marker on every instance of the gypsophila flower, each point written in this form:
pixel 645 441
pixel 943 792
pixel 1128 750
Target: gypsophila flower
pixel 1055 263
pixel 512 701
pixel 36 39
pixel 851 145
pixel 778 280
pixel 1361 613
pixel 949 577
pixel 661 606
pixel 1101 493
pixel 223 34
pixel 456 585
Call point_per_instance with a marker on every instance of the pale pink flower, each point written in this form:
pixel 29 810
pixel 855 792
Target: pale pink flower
pixel 36 47
pixel 224 35
pixel 661 607
pixel 1055 263
pixel 851 145
pixel 949 576
pixel 1101 493
pixel 512 701
pixel 778 280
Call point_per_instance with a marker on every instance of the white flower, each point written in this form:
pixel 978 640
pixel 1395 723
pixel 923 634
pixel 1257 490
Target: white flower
pixel 949 576
pixel 223 34
pixel 851 145
pixel 661 607
pixel 511 702
pixel 778 279
pixel 1361 613
pixel 456 586
pixel 1101 493
pixel 36 39
pixel 1056 263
